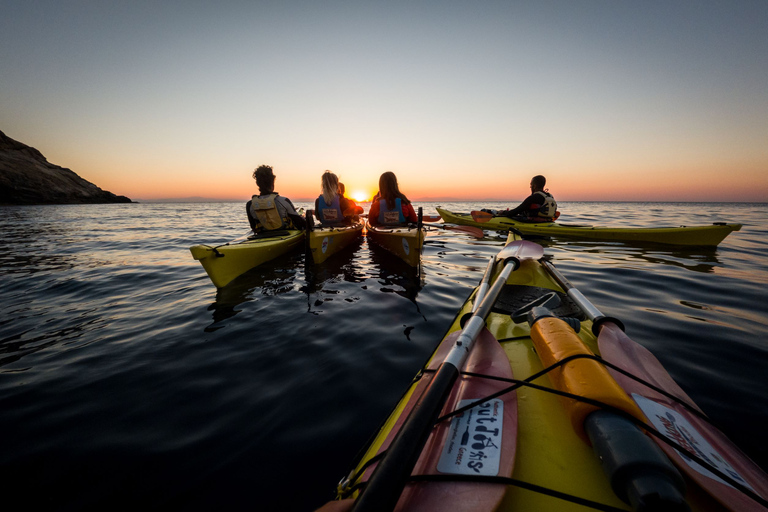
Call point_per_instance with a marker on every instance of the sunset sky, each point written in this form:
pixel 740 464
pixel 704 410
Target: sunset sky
pixel 610 100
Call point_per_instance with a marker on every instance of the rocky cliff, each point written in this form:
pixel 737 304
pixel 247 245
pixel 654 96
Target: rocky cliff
pixel 26 177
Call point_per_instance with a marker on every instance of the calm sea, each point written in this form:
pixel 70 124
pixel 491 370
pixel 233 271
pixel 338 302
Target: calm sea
pixel 128 381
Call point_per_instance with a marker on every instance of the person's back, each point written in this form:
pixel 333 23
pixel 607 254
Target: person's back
pixel 390 206
pixel 269 211
pixel 328 209
pixel 540 206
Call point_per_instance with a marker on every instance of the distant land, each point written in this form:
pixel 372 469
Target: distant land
pixel 26 177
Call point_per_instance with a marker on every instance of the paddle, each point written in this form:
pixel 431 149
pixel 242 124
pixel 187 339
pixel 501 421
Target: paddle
pixel 726 473
pixel 392 473
pixel 476 232
pixel 479 216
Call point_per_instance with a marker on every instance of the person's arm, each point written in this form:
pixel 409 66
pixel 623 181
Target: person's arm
pixel 522 209
pixel 253 222
pixel 373 213
pixel 409 213
pixel 292 214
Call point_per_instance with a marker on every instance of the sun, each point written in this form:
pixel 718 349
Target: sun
pixel 360 196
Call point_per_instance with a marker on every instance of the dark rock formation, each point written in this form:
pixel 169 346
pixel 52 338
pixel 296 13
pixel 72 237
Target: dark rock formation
pixel 26 177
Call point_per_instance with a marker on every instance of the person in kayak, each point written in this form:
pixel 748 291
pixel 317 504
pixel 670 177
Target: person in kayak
pixel 540 206
pixel 348 206
pixel 269 211
pixel 389 205
pixel 330 208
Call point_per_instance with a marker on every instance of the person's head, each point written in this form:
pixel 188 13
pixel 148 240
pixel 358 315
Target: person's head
pixel 265 179
pixel 330 184
pixel 538 183
pixel 389 190
pixel 342 189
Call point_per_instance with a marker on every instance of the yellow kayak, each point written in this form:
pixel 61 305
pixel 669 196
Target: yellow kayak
pixel 325 241
pixel 225 262
pixel 405 242
pixel 516 411
pixel 710 235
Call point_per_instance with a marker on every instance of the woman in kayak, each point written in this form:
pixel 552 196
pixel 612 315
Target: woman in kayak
pixel 540 206
pixel 389 205
pixel 331 207
pixel 348 206
pixel 270 211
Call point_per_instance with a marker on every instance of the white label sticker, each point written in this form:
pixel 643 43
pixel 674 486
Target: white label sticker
pixel 406 247
pixel 473 446
pixel 324 246
pixel 675 427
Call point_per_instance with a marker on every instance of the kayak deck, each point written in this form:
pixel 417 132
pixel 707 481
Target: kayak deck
pixel 405 242
pixel 710 235
pixel 325 241
pixel 223 263
pixel 553 467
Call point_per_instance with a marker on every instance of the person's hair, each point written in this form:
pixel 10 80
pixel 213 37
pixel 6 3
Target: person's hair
pixel 342 189
pixel 265 180
pixel 330 184
pixel 389 190
pixel 540 181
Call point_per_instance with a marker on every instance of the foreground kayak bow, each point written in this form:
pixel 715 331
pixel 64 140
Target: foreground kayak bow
pixel 522 420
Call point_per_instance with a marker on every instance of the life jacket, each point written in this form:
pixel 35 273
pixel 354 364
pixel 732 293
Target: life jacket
pixel 329 214
pixel 264 209
pixel 394 216
pixel 547 210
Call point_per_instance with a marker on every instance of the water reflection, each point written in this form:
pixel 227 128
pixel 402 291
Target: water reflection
pixel 696 259
pixel 272 278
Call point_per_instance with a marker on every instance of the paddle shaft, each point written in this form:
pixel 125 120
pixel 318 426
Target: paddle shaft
pixel 584 304
pixel 391 475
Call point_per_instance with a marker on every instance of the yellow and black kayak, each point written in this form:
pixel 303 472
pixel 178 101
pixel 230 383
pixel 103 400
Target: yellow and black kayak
pixel 325 241
pixel 535 401
pixel 405 242
pixel 710 235
pixel 225 262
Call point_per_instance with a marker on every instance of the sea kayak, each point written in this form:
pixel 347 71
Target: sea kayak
pixel 405 242
pixel 325 241
pixel 710 235
pixel 225 262
pixel 530 403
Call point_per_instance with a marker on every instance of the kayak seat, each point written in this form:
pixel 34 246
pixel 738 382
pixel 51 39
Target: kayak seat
pixel 515 296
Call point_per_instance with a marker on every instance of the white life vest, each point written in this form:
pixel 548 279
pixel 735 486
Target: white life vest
pixel 548 208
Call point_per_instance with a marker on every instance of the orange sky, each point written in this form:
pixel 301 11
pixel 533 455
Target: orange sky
pixel 611 101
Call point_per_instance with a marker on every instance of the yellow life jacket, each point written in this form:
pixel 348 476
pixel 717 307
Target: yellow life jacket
pixel 264 209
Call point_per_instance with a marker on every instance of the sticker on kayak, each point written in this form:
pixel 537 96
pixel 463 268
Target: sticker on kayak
pixel 473 446
pixel 675 427
pixel 325 245
pixel 406 247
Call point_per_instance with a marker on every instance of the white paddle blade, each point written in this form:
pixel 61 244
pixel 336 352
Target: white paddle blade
pixel 521 250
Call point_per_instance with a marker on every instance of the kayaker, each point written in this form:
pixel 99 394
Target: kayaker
pixel 540 206
pixel 348 206
pixel 389 205
pixel 269 211
pixel 328 206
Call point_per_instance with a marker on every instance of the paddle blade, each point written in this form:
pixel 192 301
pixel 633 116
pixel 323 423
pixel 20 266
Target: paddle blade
pixel 476 232
pixel 479 216
pixel 674 421
pixel 521 250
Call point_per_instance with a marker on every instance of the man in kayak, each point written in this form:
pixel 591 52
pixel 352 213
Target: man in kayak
pixel 270 211
pixel 540 206
pixel 389 205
